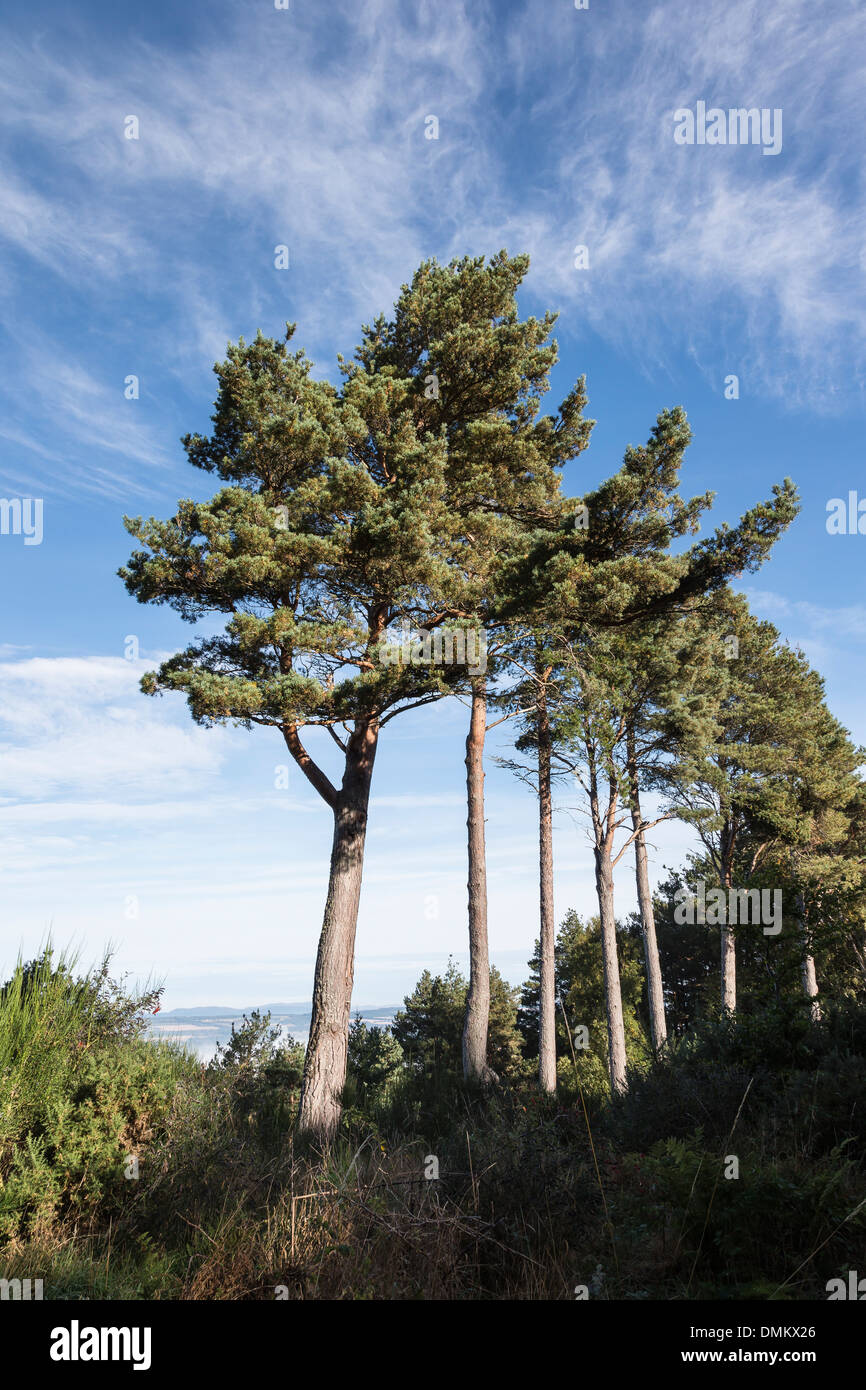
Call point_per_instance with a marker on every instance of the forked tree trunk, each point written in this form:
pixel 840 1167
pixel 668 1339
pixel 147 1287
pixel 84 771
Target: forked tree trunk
pixel 325 1063
pixel 655 991
pixel 477 1018
pixel 729 948
pixel 610 960
pixel 547 942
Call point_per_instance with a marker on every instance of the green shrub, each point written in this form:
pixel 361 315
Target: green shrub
pixel 80 1091
pixel 374 1054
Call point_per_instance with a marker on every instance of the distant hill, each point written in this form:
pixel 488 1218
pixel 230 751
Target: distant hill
pixel 201 1028
pixel 220 1011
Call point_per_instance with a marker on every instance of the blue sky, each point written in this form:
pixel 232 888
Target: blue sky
pixel 119 819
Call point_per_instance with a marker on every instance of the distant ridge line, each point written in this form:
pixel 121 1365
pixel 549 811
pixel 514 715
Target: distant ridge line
pixel 299 1010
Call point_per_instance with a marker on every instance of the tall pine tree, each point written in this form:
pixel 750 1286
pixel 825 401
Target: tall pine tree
pixel 334 519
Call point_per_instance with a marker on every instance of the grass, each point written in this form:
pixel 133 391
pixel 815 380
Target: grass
pixel 536 1198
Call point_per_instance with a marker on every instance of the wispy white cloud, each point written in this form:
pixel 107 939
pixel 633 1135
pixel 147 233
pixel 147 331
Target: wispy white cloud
pixel 107 437
pixel 555 128
pixel 38 226
pixel 80 725
pixel 843 623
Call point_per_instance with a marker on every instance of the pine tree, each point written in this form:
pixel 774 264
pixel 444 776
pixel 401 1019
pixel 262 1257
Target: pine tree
pixel 334 519
pixel 774 784
pixel 429 1027
pixel 533 699
pixel 611 573
pixel 479 373
pixel 688 960
pixel 374 1054
pixel 580 994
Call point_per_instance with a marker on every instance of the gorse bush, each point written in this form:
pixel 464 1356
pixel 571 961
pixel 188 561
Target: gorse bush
pixel 72 1161
pixel 80 1091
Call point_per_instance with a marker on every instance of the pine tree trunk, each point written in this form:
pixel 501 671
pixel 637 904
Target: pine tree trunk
pixel 477 1018
pixel 612 988
pixel 655 990
pixel 729 949
pixel 325 1062
pixel 547 990
pixel 807 960
pixel 810 983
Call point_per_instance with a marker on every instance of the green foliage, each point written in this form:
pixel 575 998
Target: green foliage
pixel 689 959
pixel 802 1077
pixel 256 1047
pixel 80 1091
pixel 517 1209
pixel 768 967
pixel 617 568
pixel 258 1072
pixel 345 510
pixel 580 988
pixel 375 1055
pixel 429 1028
pixel 72 1162
pixel 779 770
